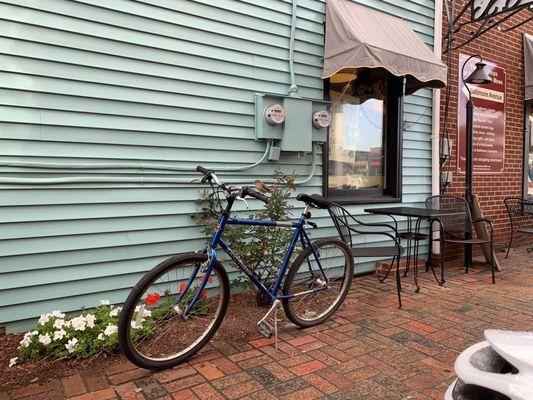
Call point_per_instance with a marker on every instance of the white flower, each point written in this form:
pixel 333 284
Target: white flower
pixel 68 324
pixel 59 323
pixel 147 313
pixel 26 341
pixel 58 335
pixel 45 339
pixel 135 326
pixel 137 308
pixel 104 302
pixel 90 319
pixel 114 312
pixel 44 319
pixel 71 345
pixel 110 329
pixel 79 323
pixel 13 361
pixel 57 314
pixel 101 336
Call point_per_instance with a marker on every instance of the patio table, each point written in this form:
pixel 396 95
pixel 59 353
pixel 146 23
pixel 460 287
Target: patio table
pixel 420 214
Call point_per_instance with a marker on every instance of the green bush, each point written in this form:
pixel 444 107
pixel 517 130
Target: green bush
pixel 261 248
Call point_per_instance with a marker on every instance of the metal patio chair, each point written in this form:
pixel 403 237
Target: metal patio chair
pixel 348 227
pixel 520 213
pixel 454 229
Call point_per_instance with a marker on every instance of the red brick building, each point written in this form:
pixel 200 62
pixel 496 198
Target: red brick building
pixel 502 46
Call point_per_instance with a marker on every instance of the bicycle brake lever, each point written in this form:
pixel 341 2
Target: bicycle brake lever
pixel 312 224
pixel 242 199
pixel 195 180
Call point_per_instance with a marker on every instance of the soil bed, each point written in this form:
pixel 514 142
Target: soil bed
pixel 237 326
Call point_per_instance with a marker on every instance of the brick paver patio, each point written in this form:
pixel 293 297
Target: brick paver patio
pixel 369 350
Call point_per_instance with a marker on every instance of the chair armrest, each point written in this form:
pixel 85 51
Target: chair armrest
pixel 389 235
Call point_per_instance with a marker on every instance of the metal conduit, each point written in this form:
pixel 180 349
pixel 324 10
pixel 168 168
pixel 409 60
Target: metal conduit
pixel 140 179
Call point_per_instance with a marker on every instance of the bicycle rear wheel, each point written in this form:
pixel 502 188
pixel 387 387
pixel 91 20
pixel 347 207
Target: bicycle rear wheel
pixel 309 306
pixel 153 331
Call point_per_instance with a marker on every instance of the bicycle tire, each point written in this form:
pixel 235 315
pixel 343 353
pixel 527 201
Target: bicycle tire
pixel 289 305
pixel 129 308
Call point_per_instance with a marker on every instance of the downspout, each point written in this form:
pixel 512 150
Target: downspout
pixel 435 115
pixel 293 89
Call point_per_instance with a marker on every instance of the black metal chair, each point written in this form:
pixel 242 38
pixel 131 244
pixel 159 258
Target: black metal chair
pixel 459 229
pixel 520 213
pixel 348 226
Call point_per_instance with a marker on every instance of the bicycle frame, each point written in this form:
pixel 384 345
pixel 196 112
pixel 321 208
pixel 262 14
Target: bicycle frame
pixel 216 240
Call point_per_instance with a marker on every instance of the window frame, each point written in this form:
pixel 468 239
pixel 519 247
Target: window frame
pixel 393 153
pixel 528 109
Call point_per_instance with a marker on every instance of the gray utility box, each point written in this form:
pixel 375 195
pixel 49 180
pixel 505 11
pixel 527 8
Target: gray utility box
pixel 297 133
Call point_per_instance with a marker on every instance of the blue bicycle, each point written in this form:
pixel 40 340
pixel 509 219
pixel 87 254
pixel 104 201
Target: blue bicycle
pixel 175 309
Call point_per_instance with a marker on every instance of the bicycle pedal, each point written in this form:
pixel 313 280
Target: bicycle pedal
pixel 265 329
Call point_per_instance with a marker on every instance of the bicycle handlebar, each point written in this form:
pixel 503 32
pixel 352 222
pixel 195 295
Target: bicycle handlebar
pixel 248 191
pixel 243 192
pixel 202 170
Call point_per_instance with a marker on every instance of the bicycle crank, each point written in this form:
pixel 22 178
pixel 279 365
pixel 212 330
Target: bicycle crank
pixel 268 325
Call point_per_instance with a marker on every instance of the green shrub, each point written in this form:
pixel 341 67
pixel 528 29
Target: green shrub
pixel 261 248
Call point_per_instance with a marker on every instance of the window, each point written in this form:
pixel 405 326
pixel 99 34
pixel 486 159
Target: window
pixel 528 179
pixel 363 157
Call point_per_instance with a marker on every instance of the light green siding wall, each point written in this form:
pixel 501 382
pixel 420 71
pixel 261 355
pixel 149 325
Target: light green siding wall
pixel 154 81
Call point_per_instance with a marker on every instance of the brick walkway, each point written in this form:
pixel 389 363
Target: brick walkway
pixel 369 350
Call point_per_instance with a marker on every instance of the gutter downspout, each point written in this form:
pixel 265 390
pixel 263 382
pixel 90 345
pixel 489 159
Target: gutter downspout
pixel 293 89
pixel 435 115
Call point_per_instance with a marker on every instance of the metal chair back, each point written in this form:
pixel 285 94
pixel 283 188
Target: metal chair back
pixel 453 226
pixel 520 212
pixel 341 218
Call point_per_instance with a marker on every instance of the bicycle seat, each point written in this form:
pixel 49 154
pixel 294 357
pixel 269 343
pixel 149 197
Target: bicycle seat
pixel 315 200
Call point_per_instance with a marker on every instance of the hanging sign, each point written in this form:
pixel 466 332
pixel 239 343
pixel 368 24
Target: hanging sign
pixel 489 120
pixel 482 9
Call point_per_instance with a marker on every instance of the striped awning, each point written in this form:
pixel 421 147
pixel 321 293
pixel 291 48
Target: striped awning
pixel 358 37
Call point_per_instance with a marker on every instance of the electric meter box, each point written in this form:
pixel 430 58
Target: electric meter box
pixel 297 132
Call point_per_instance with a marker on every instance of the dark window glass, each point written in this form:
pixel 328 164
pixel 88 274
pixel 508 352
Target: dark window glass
pixel 363 157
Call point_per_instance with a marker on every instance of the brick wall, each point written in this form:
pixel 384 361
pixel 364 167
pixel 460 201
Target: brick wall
pixel 506 50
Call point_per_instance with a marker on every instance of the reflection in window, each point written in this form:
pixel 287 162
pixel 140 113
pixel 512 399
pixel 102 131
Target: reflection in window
pixel 530 161
pixel 356 141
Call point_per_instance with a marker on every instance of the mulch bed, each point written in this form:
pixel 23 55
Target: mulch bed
pixel 237 325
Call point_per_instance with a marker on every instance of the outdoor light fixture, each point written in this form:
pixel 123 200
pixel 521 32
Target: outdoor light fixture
pixel 478 77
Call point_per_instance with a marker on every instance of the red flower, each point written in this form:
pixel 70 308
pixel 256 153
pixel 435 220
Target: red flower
pixel 182 287
pixel 203 277
pixel 203 294
pixel 152 299
pixel 207 221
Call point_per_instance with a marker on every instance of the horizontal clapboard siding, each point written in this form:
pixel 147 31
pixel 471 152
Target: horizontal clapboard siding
pixel 93 81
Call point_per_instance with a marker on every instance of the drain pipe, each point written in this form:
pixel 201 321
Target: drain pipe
pixel 435 120
pixel 293 89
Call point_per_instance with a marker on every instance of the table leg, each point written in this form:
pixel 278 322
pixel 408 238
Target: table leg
pixel 398 280
pixel 441 241
pixel 408 256
pixel 415 251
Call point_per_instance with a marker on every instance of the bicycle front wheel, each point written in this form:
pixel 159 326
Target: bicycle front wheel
pixel 154 332
pixel 319 284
